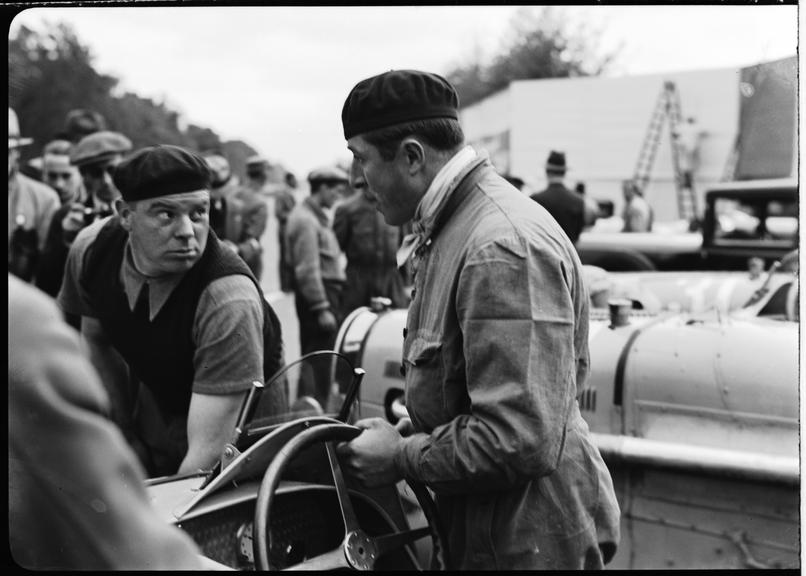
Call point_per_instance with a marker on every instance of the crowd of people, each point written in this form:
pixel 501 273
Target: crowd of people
pixel 155 256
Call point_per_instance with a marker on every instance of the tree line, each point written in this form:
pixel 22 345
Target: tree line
pixel 51 73
pixel 539 43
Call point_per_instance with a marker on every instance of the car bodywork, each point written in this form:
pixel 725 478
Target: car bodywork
pixel 694 407
pixel 742 220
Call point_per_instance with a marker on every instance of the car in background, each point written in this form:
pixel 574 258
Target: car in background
pixel 742 220
pixel 693 404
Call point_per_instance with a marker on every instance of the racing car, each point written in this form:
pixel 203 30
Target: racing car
pixel 693 403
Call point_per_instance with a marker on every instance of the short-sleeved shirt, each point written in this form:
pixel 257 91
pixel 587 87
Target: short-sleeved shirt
pixel 227 328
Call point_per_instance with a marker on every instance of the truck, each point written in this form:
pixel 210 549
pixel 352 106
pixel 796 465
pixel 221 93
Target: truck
pixel 743 220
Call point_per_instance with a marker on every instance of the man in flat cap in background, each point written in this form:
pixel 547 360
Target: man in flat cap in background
pixel 313 253
pixel 237 218
pixel 95 156
pixel 284 201
pixel 256 212
pixel 31 206
pixel 495 348
pixel 161 298
pixel 566 206
pixel 370 245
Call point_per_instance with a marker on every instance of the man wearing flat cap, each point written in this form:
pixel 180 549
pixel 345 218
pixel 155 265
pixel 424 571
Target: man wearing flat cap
pixel 31 206
pixel 312 252
pixel 161 298
pixel 495 347
pixel 237 217
pixel 566 206
pixel 95 156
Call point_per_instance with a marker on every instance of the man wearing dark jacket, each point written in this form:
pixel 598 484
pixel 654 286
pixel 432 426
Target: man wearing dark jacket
pixel 370 245
pixel 566 206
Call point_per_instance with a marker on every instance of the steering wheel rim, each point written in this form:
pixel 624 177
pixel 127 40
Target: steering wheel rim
pixel 357 551
pixel 792 311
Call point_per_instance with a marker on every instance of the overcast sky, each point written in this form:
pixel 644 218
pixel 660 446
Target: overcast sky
pixel 276 77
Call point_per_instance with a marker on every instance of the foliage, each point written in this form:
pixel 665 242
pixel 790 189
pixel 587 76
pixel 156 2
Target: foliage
pixel 51 73
pixel 538 44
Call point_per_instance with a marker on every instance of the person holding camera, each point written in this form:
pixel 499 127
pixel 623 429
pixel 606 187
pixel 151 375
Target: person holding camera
pixel 96 157
pixel 31 206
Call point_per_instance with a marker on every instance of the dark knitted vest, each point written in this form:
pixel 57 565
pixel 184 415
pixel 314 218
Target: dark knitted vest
pixel 160 352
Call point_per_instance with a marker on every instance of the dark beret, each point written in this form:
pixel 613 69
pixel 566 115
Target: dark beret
pixel 396 97
pixel 161 171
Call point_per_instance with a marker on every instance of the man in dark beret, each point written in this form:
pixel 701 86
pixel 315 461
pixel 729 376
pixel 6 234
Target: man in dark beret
pixel 495 348
pixel 161 299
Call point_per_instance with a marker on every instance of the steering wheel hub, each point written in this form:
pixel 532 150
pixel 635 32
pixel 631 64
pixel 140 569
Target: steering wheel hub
pixel 360 550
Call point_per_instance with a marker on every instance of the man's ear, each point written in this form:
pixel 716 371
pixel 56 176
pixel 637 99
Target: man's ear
pixel 124 210
pixel 414 153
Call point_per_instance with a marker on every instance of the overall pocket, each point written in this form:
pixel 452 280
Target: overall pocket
pixel 425 375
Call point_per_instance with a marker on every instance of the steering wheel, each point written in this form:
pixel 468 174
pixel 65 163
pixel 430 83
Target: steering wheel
pixel 358 550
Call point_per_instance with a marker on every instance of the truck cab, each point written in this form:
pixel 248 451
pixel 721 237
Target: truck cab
pixel 742 220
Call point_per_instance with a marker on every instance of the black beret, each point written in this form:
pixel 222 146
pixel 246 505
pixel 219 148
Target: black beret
pixel 396 97
pixel 161 171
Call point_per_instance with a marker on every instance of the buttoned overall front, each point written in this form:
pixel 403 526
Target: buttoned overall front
pixel 495 352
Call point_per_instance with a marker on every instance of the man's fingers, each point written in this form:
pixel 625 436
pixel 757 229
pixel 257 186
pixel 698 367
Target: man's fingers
pixel 366 423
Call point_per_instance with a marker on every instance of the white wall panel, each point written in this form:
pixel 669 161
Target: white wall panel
pixel 600 123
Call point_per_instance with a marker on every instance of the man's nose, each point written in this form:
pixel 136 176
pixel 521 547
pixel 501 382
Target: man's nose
pixel 184 226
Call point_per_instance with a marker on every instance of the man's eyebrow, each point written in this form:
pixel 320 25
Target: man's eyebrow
pixel 174 205
pixel 162 204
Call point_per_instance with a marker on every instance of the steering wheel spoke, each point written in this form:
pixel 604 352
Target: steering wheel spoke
pixel 358 550
pixel 397 540
pixel 333 560
pixel 347 512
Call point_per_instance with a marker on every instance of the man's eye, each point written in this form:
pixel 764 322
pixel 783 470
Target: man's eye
pixel 164 215
pixel 198 215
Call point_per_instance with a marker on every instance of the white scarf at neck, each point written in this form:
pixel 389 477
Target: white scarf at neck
pixel 432 202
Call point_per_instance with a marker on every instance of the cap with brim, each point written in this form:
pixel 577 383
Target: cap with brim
pixel 556 162
pixel 396 97
pixel 17 142
pixel 256 161
pixel 98 147
pixel 161 171
pixel 14 138
pixel 328 174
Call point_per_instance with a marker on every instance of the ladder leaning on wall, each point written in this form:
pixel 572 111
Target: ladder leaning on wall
pixel 667 106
